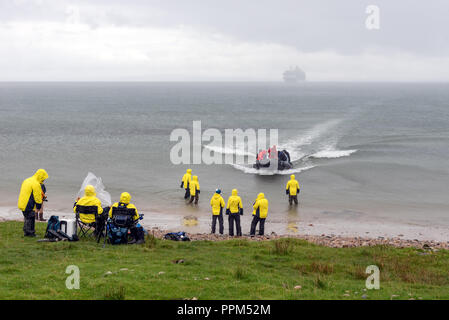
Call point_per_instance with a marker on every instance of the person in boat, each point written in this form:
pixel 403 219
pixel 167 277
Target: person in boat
pixel 292 190
pixel 185 183
pixel 272 152
pixel 284 156
pixel 261 155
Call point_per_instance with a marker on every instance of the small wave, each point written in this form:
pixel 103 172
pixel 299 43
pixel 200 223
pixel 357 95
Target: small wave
pixel 295 146
pixel 230 150
pixel 332 154
pixel 266 172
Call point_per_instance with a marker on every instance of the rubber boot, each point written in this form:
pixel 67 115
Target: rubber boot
pixel 36 216
pixel 41 216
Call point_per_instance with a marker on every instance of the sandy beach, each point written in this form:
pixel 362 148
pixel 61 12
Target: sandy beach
pixel 330 232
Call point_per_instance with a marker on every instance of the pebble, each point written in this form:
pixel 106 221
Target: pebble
pixel 325 240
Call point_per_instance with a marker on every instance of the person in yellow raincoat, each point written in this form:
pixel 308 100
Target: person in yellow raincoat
pixel 260 213
pixel 185 183
pixel 217 203
pixel 30 200
pixel 90 199
pixel 194 190
pixel 234 209
pixel 292 190
pixel 136 232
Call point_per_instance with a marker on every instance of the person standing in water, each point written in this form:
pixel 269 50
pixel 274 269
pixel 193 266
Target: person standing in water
pixel 217 203
pixel 292 190
pixel 194 190
pixel 234 209
pixel 185 183
pixel 260 213
pixel 30 200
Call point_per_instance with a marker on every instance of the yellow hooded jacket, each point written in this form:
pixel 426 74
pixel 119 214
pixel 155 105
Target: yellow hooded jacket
pixel 88 200
pixel 261 205
pixel 194 185
pixel 292 186
pixel 234 202
pixel 186 178
pixel 30 197
pixel 217 202
pixel 125 199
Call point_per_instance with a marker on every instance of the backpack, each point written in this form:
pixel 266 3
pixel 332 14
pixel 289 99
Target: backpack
pixel 177 236
pixel 53 231
pixel 117 235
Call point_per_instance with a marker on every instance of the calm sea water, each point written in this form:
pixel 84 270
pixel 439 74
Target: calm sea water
pixel 362 150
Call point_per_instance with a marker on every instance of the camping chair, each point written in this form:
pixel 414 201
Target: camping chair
pixel 86 228
pixel 122 217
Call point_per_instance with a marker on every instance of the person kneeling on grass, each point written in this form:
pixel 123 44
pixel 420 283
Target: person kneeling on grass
pixel 260 213
pixel 90 199
pixel 136 231
pixel 217 203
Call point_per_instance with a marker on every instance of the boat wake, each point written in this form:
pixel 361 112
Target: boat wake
pixel 319 142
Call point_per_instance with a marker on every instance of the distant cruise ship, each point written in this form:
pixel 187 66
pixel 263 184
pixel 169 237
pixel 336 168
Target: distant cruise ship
pixel 294 75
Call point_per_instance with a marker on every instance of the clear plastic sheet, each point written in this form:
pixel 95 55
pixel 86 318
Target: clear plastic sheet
pixel 95 181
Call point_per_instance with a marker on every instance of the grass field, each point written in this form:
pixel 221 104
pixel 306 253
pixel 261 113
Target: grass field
pixel 232 269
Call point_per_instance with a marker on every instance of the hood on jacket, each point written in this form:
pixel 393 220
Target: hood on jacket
pixel 234 192
pixel 41 175
pixel 292 177
pixel 216 196
pixel 260 196
pixel 89 191
pixel 195 178
pixel 125 198
pixel 189 171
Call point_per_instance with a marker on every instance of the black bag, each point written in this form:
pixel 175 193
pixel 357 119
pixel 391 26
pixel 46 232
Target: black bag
pixel 177 236
pixel 54 232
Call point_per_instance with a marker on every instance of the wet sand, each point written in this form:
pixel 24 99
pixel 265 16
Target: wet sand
pixel 341 232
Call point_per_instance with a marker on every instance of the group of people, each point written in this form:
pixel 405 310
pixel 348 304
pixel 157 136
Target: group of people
pixel 234 207
pixel 32 195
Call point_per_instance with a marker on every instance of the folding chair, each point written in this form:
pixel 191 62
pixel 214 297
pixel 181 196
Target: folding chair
pixel 122 217
pixel 86 228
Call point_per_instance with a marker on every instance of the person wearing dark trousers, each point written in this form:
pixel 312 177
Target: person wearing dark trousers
pixel 292 190
pixel 185 183
pixel 260 213
pixel 194 190
pixel 234 210
pixel 30 200
pixel 217 203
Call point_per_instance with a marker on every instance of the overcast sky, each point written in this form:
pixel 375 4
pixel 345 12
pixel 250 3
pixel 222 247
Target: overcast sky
pixel 226 40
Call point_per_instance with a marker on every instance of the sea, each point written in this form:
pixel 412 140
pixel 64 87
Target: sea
pixel 371 154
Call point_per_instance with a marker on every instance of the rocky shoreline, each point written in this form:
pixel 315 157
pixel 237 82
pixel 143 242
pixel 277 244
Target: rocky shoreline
pixel 332 241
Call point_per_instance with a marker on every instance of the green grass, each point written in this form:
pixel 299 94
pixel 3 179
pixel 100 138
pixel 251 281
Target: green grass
pixel 233 269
